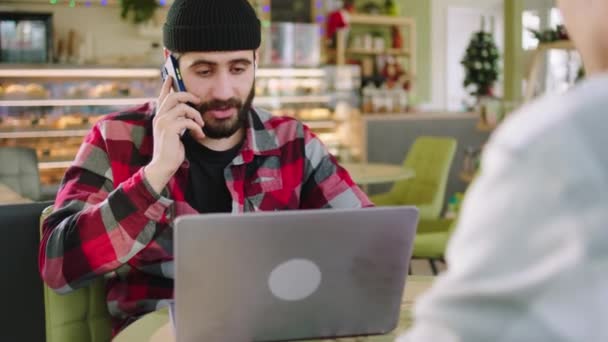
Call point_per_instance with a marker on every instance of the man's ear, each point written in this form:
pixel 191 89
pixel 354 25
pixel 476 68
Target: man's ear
pixel 256 57
pixel 166 52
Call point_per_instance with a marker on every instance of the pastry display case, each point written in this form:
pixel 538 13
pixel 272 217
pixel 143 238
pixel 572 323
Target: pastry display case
pixel 52 108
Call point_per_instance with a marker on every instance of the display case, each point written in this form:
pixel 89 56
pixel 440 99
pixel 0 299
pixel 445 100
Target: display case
pixel 51 109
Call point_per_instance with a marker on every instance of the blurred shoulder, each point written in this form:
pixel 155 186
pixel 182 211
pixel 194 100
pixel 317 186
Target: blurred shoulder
pixel 580 114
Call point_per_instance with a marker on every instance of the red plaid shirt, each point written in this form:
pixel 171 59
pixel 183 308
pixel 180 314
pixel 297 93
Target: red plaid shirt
pixel 109 222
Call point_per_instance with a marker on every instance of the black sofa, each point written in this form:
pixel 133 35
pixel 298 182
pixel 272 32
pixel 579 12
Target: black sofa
pixel 22 315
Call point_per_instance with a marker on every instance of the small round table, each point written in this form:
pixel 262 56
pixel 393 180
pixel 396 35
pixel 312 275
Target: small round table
pixel 376 173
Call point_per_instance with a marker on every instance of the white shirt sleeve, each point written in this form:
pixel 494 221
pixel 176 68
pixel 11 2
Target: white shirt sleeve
pixel 520 251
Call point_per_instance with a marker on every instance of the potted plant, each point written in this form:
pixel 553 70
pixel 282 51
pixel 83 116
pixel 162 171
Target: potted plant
pixel 139 11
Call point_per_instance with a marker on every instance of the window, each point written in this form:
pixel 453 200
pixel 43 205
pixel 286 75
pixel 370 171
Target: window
pixel 530 21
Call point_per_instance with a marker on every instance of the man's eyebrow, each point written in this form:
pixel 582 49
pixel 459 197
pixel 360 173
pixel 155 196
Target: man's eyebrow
pixel 200 62
pixel 240 61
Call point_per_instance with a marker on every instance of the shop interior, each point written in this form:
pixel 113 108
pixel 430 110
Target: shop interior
pixel 403 92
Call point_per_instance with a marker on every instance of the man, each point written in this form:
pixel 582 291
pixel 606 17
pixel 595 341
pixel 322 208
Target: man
pixel 135 172
pixel 528 259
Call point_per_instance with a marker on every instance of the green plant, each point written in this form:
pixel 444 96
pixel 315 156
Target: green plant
pixel 142 10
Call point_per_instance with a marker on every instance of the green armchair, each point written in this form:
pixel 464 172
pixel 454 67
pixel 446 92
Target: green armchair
pixel 79 316
pixel 432 239
pixel 431 158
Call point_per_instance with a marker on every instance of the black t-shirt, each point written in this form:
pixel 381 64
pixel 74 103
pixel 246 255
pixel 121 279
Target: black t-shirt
pixel 207 191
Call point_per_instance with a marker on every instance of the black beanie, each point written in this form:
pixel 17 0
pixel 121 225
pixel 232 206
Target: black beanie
pixel 211 25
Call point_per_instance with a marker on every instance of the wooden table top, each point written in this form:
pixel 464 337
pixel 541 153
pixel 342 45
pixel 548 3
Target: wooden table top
pixel 375 173
pixel 156 327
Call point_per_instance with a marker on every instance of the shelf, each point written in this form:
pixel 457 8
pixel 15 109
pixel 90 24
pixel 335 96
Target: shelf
pixel 66 133
pixel 538 54
pixel 260 100
pixel 290 72
pixel 320 124
pixel 276 100
pixel 44 134
pixel 484 127
pixel 392 52
pixel 414 115
pixel 560 44
pixel 75 102
pixel 41 72
pixel 54 165
pixel 466 177
pixel 383 20
pixel 38 71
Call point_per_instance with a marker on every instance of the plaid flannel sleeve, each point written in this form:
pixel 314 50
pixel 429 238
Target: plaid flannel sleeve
pixel 96 225
pixel 326 183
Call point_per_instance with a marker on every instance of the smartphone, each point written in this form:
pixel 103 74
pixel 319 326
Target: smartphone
pixel 171 69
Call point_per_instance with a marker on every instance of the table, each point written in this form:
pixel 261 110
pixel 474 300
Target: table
pixel 10 196
pixel 155 326
pixel 374 173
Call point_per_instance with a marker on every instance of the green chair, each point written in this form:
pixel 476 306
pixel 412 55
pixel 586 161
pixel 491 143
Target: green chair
pixel 432 239
pixel 79 316
pixel 431 158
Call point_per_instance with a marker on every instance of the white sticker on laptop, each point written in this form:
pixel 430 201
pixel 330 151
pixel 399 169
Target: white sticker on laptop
pixel 294 280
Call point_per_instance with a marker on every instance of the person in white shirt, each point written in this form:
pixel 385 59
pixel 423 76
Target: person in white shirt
pixel 529 258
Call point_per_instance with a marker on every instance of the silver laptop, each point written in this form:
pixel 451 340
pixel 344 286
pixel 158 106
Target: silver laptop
pixel 289 275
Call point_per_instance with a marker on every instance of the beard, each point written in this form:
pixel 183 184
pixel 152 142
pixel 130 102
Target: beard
pixel 224 128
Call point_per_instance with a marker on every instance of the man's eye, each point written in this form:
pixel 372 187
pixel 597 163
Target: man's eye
pixel 203 72
pixel 238 70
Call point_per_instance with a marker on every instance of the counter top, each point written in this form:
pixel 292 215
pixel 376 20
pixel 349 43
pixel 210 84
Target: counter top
pixel 418 116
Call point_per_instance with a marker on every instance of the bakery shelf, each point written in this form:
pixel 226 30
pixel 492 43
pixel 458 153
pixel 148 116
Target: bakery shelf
pixel 51 107
pixel 82 73
pixel 75 102
pixel 290 72
pixel 54 165
pixel 59 133
pixel 258 101
pixel 274 100
pixel 320 124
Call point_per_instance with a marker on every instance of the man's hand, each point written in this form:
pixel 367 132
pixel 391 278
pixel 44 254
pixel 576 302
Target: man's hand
pixel 173 117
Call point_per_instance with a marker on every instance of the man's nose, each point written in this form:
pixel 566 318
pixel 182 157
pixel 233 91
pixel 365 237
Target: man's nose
pixel 222 87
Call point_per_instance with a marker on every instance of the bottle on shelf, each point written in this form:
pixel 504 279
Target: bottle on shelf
pixel 369 93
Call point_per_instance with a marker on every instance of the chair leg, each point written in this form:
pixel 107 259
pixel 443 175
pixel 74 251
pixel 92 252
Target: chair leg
pixel 442 259
pixel 409 269
pixel 433 266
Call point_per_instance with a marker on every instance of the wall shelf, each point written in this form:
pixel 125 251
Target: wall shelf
pixel 383 20
pixel 560 45
pixel 537 61
pixel 391 52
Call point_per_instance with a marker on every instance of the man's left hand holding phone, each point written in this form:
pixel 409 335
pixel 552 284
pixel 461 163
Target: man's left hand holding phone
pixel 174 115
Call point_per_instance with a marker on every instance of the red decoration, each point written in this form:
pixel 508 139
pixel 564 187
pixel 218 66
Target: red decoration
pixel 338 19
